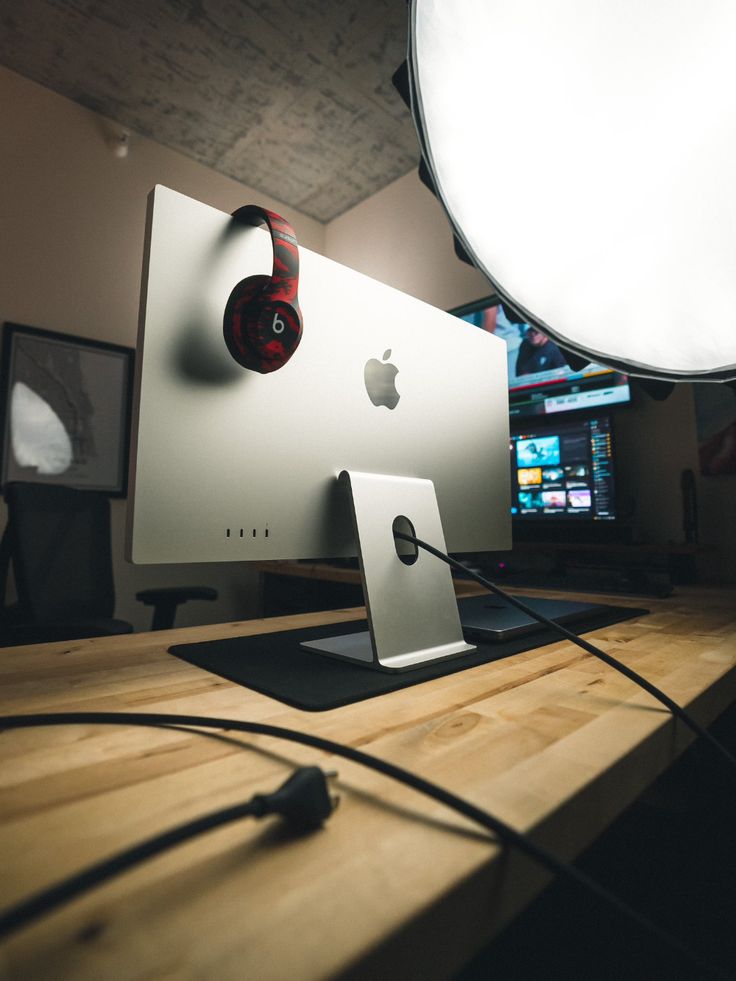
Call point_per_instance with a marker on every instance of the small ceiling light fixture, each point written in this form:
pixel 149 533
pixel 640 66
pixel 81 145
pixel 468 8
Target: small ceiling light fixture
pixel 585 152
pixel 119 143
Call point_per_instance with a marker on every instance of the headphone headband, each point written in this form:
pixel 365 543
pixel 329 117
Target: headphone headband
pixel 285 275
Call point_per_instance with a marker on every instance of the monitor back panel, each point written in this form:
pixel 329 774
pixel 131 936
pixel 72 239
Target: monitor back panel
pixel 231 465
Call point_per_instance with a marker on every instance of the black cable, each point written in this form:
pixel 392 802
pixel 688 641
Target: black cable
pixel 485 819
pixel 302 800
pixel 608 659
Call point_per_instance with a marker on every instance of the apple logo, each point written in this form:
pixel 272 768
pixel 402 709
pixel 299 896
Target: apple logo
pixel 380 381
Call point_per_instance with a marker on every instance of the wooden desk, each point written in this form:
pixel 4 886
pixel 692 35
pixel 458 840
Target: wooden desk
pixel 394 886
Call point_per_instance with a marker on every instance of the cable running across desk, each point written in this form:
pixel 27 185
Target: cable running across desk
pixel 302 800
pixel 608 659
pixel 504 832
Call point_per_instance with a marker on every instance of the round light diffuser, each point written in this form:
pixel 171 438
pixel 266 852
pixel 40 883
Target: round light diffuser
pixel 585 152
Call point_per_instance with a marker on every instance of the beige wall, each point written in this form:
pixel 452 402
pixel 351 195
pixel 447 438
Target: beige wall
pixel 401 236
pixel 71 250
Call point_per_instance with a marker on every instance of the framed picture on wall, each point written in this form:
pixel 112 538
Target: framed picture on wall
pixel 66 406
pixel 715 420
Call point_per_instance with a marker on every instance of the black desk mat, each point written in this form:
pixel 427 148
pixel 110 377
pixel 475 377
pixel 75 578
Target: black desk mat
pixel 273 664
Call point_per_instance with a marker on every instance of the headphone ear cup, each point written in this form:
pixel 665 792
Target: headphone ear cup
pixel 261 331
pixel 242 308
pixel 274 333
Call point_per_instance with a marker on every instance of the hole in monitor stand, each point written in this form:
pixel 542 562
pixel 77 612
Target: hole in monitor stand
pixel 407 552
pixel 411 607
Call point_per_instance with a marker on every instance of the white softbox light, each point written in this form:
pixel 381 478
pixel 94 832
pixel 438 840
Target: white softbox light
pixel 585 152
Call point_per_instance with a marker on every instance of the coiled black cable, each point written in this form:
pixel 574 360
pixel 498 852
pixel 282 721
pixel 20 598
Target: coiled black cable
pixel 504 832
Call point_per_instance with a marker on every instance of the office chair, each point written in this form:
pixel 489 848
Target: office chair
pixel 58 540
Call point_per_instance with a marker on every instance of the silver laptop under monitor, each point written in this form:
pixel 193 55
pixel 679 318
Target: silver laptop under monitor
pixel 231 465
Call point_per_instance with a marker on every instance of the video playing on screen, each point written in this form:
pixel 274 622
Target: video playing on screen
pixel 539 451
pixel 540 380
pixel 563 471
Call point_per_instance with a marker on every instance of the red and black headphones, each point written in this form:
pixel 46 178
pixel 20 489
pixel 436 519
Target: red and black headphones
pixel 262 323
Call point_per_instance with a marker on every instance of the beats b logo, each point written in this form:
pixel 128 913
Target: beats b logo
pixel 278 324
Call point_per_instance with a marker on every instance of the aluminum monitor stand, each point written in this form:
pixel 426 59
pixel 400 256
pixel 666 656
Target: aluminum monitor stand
pixel 412 611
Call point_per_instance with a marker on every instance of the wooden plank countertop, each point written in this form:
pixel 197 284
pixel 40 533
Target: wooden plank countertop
pixel 394 886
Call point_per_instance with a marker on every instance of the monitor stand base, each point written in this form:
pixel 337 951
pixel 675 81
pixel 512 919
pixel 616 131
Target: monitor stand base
pixel 410 599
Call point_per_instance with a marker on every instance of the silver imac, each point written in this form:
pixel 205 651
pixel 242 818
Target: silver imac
pixel 403 400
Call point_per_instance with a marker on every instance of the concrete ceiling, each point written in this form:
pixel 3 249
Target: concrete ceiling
pixel 292 97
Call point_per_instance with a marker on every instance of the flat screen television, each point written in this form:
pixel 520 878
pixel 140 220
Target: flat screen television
pixel 540 380
pixel 563 477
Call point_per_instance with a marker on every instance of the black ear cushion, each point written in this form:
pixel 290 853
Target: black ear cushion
pixel 238 311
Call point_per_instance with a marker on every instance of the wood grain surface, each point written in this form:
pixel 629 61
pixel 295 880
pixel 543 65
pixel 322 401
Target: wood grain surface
pixel 395 885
